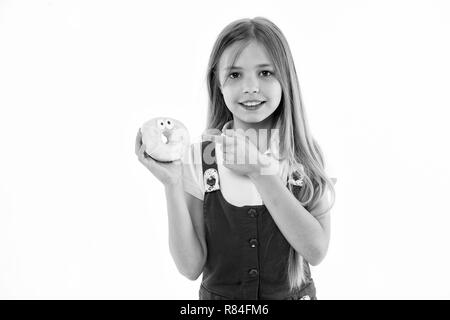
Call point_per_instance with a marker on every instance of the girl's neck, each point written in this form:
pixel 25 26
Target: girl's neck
pixel 262 136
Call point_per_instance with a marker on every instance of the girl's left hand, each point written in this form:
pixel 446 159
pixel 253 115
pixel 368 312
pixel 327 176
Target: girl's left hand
pixel 239 153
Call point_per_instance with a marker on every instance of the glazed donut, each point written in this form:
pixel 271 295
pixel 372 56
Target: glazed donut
pixel 166 139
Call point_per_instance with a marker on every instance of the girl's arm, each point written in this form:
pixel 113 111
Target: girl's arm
pixel 306 234
pixel 186 231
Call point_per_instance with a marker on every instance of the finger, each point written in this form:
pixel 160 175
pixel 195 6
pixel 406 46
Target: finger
pixel 209 137
pixel 213 138
pixel 229 132
pixel 141 152
pixel 138 142
pixel 235 133
pixel 144 158
pixel 236 137
pixel 229 158
pixel 227 140
pixel 148 162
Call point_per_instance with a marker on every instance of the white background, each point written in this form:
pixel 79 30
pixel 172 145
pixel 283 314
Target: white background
pixel 81 218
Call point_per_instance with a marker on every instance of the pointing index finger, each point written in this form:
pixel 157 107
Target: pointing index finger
pixel 213 137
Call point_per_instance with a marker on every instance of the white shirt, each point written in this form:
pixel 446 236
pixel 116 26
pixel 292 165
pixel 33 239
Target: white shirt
pixel 239 190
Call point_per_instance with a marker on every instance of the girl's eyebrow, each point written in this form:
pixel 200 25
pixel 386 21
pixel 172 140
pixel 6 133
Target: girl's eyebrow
pixel 240 68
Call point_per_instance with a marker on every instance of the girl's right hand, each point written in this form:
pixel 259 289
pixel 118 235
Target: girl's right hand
pixel 168 173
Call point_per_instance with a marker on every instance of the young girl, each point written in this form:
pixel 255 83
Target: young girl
pixel 251 227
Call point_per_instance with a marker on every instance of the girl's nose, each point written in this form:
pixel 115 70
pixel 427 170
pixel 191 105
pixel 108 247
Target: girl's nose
pixel 251 85
pixel 255 89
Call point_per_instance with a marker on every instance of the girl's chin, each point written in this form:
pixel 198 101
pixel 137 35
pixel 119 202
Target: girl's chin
pixel 251 118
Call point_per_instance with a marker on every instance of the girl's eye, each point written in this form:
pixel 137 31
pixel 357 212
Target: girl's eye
pixel 270 72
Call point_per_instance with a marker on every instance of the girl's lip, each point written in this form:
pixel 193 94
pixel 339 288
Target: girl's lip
pixel 253 107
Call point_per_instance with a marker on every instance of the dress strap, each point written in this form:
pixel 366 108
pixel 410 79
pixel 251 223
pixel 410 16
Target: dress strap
pixel 209 165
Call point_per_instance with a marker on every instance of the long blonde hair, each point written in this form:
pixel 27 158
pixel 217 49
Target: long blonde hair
pixel 297 145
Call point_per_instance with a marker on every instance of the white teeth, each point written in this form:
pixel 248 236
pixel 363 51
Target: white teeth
pixel 251 104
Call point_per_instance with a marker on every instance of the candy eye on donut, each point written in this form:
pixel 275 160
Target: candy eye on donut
pixel 169 124
pixel 161 124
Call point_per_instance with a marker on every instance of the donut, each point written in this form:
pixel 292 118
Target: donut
pixel 166 139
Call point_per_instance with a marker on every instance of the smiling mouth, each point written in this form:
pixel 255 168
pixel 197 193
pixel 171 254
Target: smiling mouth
pixel 252 107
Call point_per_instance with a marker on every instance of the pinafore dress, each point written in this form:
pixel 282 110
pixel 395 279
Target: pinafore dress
pixel 247 254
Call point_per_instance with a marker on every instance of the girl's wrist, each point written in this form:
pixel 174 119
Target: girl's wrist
pixel 253 175
pixel 173 184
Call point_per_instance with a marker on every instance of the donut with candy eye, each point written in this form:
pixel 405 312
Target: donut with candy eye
pixel 166 139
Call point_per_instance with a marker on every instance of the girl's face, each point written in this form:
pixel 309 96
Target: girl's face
pixel 250 78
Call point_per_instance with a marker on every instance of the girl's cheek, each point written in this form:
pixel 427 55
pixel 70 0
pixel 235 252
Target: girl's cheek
pixel 230 90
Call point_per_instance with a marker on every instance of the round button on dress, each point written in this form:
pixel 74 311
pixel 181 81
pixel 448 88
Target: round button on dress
pixel 252 213
pixel 253 272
